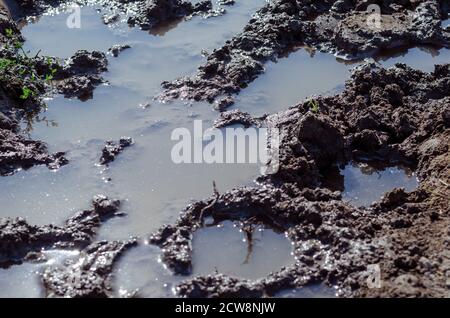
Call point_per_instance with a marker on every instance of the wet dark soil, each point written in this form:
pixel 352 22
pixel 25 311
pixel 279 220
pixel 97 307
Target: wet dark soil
pixel 396 115
pixel 88 276
pixel 142 13
pixel 338 27
pixel 20 241
pixel 113 149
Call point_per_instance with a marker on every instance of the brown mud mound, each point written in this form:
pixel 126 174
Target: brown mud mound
pixel 150 14
pixel 19 152
pixel 339 27
pixel 20 240
pixel 81 74
pixel 391 116
pixel 236 117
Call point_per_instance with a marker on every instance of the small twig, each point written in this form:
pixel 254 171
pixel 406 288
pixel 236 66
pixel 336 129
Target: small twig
pixel 248 229
pixel 37 54
pixel 212 204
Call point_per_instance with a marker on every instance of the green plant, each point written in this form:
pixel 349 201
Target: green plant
pixel 23 66
pixel 9 33
pixel 5 63
pixel 26 93
pixel 314 106
pixel 49 77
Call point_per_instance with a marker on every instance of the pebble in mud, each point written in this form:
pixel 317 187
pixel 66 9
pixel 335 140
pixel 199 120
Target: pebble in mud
pixel 334 26
pixel 223 103
pixel 390 115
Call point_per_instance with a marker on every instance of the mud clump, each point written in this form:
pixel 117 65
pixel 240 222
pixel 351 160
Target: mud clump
pixel 18 152
pixel 388 116
pixel 80 76
pixel 153 13
pixel 18 239
pixel 334 26
pixel 113 149
pixel 224 286
pixel 146 14
pixel 115 50
pixel 90 275
pixel 236 117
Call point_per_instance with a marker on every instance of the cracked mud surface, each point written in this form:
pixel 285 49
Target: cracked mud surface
pixel 333 26
pixel 384 116
pixel 398 115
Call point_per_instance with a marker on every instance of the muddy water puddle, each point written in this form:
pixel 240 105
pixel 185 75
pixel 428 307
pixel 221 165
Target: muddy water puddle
pixel 306 72
pixel 226 249
pixel 144 175
pixel 23 281
pixel 289 80
pixel 421 58
pixel 152 187
pixel 362 184
pixel 20 282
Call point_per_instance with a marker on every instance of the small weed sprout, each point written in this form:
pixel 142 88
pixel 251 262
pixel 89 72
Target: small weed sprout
pixel 314 106
pixel 24 66
pixel 9 33
pixel 26 93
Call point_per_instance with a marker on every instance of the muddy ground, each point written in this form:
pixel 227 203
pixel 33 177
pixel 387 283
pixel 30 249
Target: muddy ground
pixel 338 27
pixel 384 116
pixel 390 117
pixel 25 80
